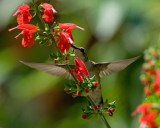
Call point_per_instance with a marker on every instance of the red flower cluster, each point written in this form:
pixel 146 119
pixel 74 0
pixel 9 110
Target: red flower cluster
pixel 24 17
pixel 28 30
pixel 147 119
pixel 48 12
pixel 152 86
pixel 80 71
pixel 150 77
pixel 65 38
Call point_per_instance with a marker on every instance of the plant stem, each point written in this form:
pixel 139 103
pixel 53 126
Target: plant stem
pixel 99 112
pixel 90 100
pixel 39 14
pixel 104 120
pixel 69 69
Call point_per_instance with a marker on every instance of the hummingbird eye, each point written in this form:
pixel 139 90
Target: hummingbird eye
pixel 82 50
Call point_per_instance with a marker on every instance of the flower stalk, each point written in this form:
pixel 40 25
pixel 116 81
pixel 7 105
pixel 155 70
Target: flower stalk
pixel 38 13
pixel 99 112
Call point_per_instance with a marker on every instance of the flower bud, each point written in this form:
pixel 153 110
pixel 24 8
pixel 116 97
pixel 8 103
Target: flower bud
pixel 55 60
pixel 84 117
pixel 44 33
pixel 86 90
pixel 78 93
pixel 67 91
pixel 66 58
pixel 113 109
pixel 110 112
pixel 95 107
pixel 46 27
pixel 95 84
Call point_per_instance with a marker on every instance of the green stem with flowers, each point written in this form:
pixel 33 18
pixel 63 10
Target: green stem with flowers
pixel 68 68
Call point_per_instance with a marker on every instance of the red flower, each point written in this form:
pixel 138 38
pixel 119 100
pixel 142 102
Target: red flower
pixel 65 38
pixel 148 118
pixel 64 41
pixel 28 30
pixel 147 91
pixel 150 72
pixel 80 71
pixel 48 12
pixel 144 107
pixel 24 17
pixel 156 83
pixel 68 27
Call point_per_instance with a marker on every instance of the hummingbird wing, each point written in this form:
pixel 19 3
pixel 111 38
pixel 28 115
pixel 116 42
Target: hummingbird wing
pixel 107 68
pixel 54 69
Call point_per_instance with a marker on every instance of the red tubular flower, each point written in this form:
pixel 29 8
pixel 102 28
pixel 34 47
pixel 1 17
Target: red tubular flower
pixel 80 71
pixel 48 12
pixel 68 27
pixel 28 30
pixel 64 41
pixel 65 38
pixel 24 17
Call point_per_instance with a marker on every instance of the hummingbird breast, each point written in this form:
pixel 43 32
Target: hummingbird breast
pixel 96 94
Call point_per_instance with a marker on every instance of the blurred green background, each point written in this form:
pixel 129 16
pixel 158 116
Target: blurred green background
pixel 114 30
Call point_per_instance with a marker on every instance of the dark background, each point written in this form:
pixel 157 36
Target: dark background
pixel 114 30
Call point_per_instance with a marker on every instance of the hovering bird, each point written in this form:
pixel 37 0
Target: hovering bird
pixel 97 69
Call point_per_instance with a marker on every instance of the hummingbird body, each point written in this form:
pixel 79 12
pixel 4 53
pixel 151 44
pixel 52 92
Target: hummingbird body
pixel 95 69
pixel 96 95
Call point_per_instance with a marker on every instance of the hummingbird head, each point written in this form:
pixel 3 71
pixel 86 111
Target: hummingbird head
pixel 80 52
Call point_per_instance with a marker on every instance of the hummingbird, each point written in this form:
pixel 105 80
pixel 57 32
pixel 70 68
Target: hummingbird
pixel 95 69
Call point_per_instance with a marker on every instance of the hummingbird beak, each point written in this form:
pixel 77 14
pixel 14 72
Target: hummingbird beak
pixel 73 46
